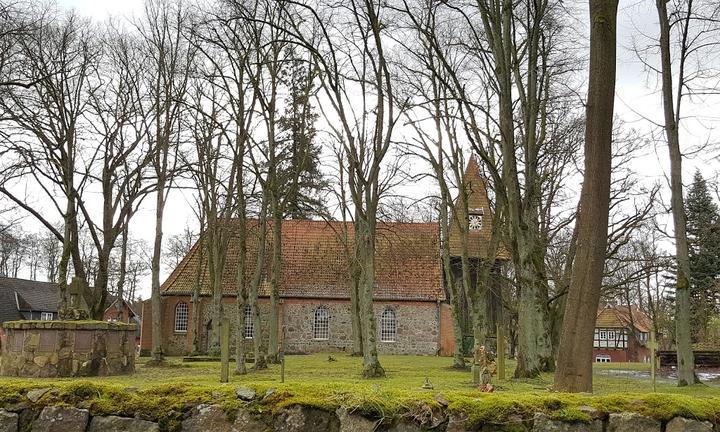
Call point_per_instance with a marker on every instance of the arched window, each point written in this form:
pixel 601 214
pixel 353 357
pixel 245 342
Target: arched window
pixel 248 332
pixel 388 326
pixel 321 324
pixel 181 317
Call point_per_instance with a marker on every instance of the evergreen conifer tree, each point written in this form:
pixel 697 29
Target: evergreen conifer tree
pixel 303 182
pixel 703 228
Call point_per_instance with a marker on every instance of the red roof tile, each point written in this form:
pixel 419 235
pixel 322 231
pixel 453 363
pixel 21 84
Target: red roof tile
pixel 315 263
pixel 619 316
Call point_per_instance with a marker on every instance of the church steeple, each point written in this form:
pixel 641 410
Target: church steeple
pixel 478 214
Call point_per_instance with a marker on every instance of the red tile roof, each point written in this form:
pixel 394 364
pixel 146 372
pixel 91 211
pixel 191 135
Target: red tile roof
pixel 315 263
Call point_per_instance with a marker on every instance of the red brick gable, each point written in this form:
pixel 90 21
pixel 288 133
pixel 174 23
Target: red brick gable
pixel 315 261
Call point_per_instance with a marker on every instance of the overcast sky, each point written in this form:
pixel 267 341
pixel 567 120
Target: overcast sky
pixel 637 102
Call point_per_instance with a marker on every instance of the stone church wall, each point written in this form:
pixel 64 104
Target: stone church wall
pixel 418 328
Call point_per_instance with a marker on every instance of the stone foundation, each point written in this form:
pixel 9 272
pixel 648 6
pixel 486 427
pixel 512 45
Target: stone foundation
pixel 67 348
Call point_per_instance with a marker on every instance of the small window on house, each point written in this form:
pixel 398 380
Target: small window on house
pixel 602 358
pixel 321 324
pixel 248 332
pixel 46 316
pixel 181 317
pixel 603 335
pixel 388 326
pixel 611 335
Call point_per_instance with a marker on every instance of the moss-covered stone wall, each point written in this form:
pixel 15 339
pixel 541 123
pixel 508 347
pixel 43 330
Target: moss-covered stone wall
pixel 83 407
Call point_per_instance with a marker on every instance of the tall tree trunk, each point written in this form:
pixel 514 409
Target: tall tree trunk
pixel 259 345
pixel 155 299
pixel 357 349
pixel 355 274
pixel 99 296
pixel 365 247
pixel 275 272
pixel 196 312
pixel 217 254
pixel 123 271
pixel 240 368
pixel 65 261
pixel 534 345
pixel 685 356
pixel 458 355
pixel 574 371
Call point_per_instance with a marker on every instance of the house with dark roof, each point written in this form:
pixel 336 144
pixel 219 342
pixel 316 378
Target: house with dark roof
pixel 622 334
pixel 23 299
pixel 412 312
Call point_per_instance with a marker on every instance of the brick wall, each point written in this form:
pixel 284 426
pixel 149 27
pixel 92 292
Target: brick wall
pixel 174 343
pixel 447 333
pixel 616 355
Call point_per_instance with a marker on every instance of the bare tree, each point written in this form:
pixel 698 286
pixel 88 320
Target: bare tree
pixel 43 124
pixel 178 246
pixel 226 43
pixel 169 66
pixel 366 132
pixel 121 157
pixel 697 32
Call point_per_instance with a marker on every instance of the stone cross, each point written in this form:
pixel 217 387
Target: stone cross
pixel 78 308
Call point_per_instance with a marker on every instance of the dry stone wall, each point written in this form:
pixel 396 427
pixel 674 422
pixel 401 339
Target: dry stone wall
pixel 249 417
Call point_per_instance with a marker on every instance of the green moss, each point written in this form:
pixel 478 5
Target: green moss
pixel 166 394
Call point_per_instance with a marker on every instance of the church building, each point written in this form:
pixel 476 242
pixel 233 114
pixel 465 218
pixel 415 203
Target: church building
pixel 410 302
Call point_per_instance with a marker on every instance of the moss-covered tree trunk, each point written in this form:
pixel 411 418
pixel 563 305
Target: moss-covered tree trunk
pixel 365 253
pixel 356 324
pixel 450 283
pixel 275 271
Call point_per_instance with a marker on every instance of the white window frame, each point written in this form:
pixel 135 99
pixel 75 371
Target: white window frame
pixel 611 335
pixel 181 317
pixel 249 329
pixel 603 358
pixel 321 323
pixel 46 316
pixel 388 326
pixel 602 335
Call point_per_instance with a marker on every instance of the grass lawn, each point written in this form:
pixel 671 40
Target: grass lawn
pixel 403 373
pixel 312 380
